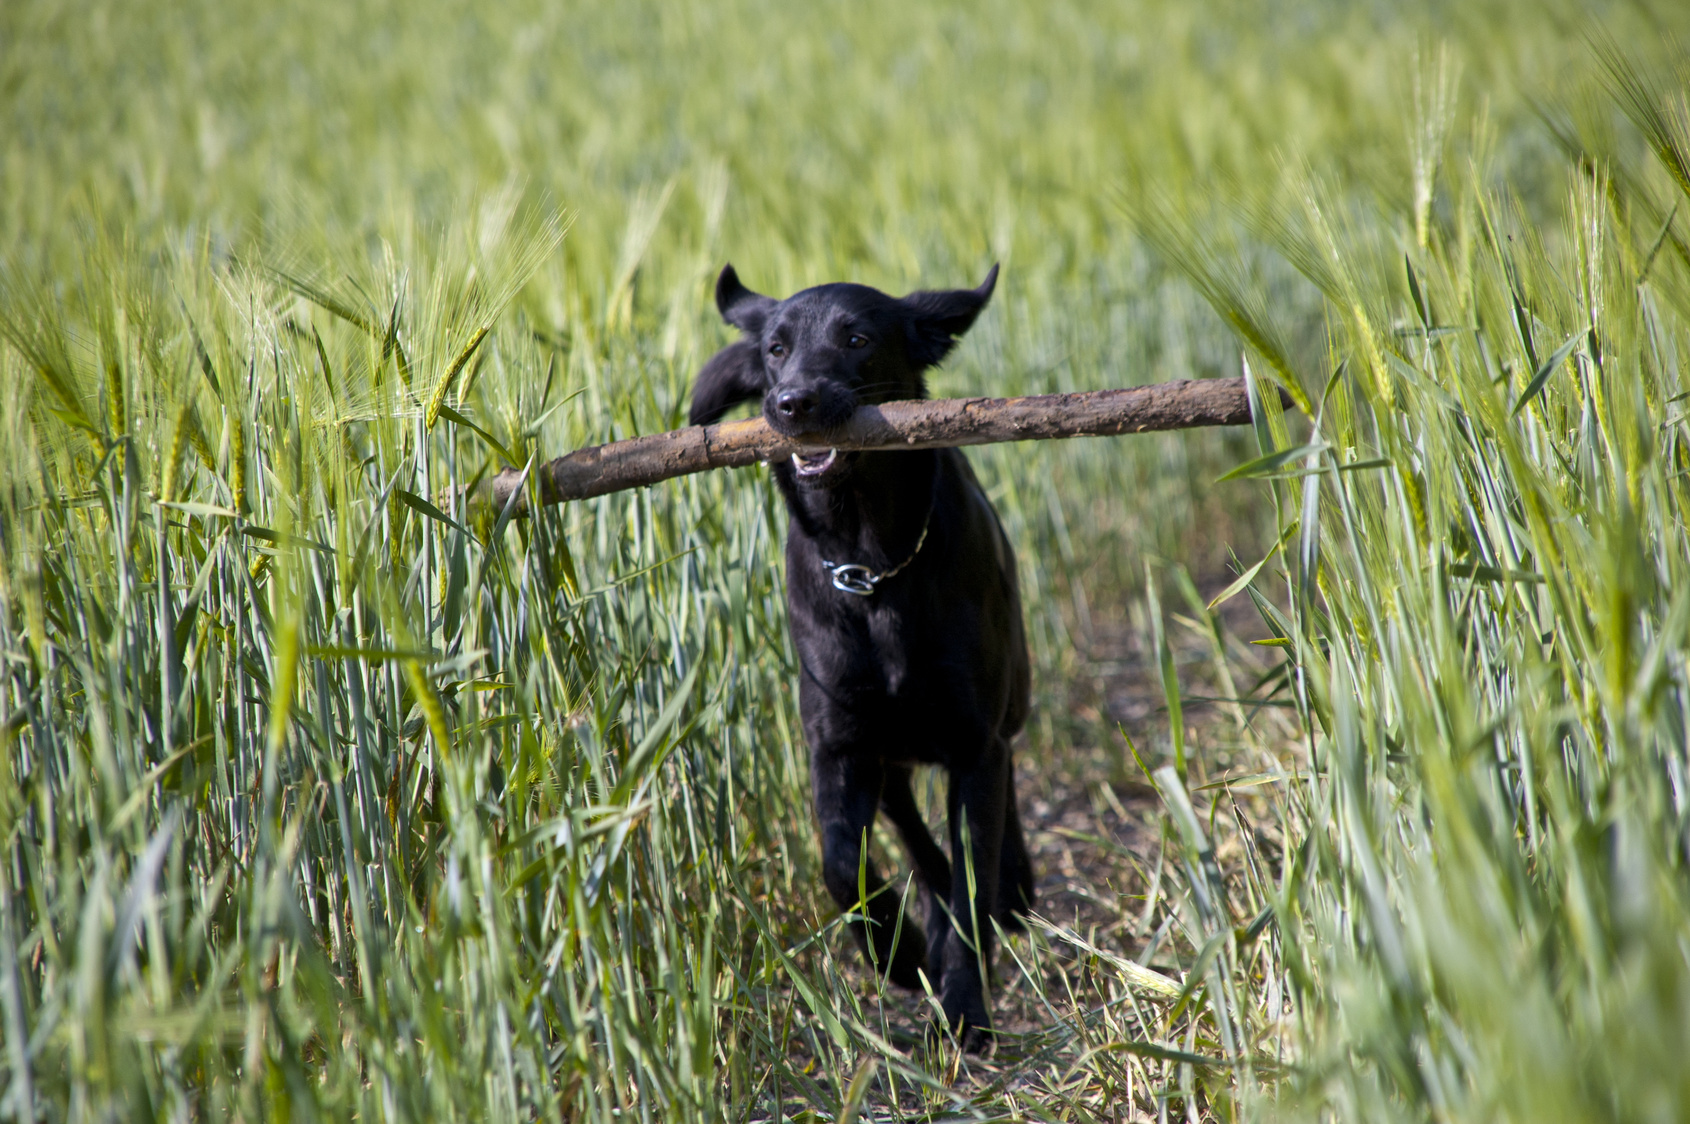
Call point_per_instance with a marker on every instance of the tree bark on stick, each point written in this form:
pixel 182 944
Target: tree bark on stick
pixel 929 424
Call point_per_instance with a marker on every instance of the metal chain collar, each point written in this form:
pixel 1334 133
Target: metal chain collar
pixel 854 577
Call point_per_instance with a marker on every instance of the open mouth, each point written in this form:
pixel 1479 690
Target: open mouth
pixel 814 464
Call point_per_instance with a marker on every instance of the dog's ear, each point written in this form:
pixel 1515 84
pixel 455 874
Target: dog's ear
pixel 733 375
pixel 936 319
pixel 739 306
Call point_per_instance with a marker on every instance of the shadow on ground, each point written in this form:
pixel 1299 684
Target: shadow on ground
pixel 1095 828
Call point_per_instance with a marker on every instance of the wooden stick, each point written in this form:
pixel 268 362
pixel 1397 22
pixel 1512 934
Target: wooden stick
pixel 931 424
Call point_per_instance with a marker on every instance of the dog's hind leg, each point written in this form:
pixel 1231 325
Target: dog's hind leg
pixel 898 802
pixel 848 788
pixel 1015 878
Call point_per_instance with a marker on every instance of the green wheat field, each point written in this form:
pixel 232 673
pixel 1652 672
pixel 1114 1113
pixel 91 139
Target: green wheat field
pixel 1358 777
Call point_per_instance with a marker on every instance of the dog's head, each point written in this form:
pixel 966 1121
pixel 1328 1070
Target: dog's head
pixel 816 356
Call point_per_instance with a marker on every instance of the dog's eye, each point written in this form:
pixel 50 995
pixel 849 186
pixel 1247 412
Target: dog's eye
pixel 777 350
pixel 857 340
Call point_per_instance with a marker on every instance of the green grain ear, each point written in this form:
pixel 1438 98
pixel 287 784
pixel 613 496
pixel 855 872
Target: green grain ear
pixel 321 799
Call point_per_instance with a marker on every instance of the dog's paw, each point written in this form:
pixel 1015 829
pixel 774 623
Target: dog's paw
pixel 906 963
pixel 977 1040
pixel 971 1023
pixel 1016 902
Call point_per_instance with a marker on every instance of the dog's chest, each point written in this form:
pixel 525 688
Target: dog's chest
pixel 890 638
pixel 863 651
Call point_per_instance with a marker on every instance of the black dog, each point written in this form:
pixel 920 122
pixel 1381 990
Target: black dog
pixel 901 590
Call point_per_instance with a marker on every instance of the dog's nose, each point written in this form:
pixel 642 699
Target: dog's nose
pixel 795 404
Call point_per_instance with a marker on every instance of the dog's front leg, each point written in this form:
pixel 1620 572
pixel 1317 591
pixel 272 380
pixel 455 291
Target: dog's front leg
pixel 977 810
pixel 847 787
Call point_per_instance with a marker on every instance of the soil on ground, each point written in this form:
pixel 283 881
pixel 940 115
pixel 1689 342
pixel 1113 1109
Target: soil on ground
pixel 1095 827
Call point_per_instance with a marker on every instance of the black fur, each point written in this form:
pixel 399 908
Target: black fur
pixel 932 667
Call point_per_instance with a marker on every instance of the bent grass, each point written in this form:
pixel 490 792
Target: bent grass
pixel 325 797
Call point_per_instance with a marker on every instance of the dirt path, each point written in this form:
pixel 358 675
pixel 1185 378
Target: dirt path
pixel 1095 823
pixel 1094 826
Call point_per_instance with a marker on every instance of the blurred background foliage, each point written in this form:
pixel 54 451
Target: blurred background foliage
pixel 327 797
